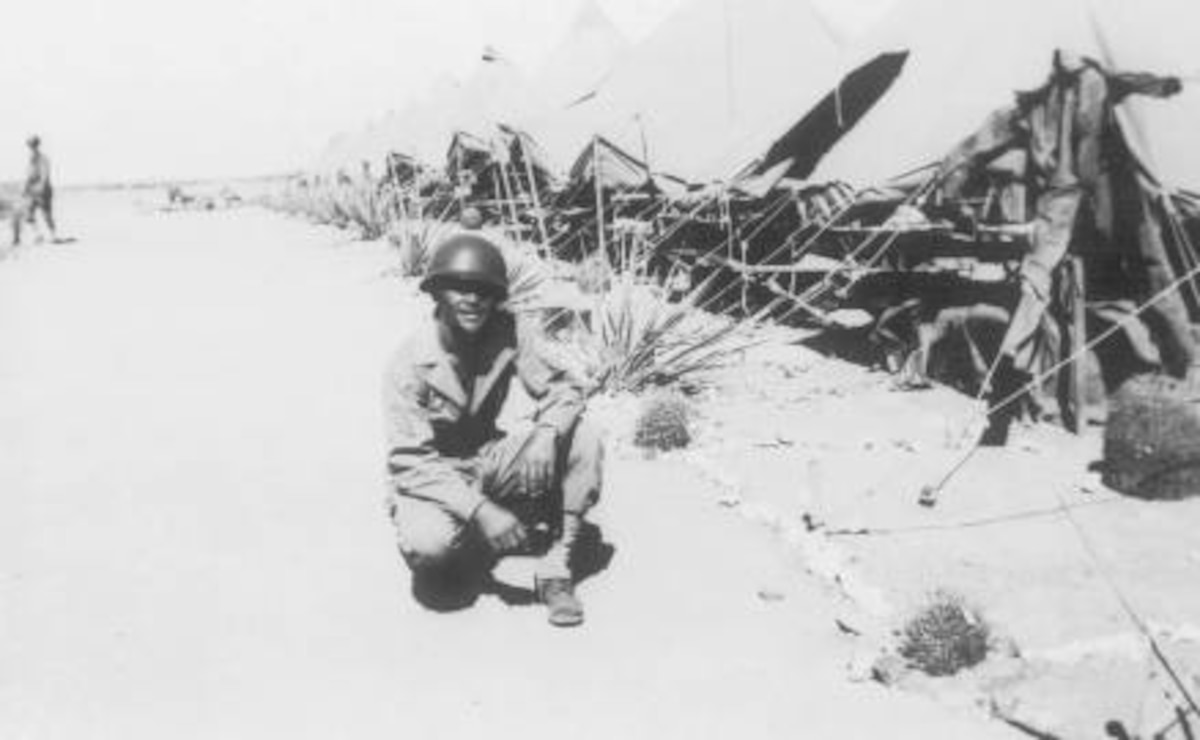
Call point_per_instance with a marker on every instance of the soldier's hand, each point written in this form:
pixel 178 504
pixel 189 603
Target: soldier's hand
pixel 502 531
pixel 537 462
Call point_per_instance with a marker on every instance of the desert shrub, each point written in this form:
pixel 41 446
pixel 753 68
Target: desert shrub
pixel 346 205
pixel 663 423
pixel 945 636
pixel 414 242
pixel 639 340
pixel 359 206
pixel 1152 440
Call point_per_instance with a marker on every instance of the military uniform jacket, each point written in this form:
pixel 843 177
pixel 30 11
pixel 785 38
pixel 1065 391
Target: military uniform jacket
pixel 434 427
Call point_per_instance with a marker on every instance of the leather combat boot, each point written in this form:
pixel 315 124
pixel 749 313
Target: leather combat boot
pixel 558 594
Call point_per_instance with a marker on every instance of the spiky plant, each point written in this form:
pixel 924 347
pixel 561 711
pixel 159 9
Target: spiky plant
pixel 664 423
pixel 414 241
pixel 945 636
pixel 639 340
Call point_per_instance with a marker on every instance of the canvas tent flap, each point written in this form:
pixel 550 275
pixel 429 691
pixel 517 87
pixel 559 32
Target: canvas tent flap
pixel 964 60
pixel 614 168
pixel 802 146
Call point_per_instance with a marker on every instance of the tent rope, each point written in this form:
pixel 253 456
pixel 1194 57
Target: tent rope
pixel 1040 377
pixel 1126 605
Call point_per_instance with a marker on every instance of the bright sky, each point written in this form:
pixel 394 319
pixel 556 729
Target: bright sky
pixel 127 89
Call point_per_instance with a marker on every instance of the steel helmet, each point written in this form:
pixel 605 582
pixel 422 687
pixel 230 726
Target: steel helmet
pixel 467 257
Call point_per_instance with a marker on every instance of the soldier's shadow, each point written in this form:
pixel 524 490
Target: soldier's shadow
pixel 592 555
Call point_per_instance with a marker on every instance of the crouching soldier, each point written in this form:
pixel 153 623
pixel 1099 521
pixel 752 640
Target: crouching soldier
pixel 463 493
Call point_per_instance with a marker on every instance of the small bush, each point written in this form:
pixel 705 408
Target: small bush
pixel 945 636
pixel 663 423
pixel 414 242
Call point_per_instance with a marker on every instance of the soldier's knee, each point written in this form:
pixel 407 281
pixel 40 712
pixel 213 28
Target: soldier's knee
pixel 427 550
pixel 587 443
pixel 448 570
pixel 426 535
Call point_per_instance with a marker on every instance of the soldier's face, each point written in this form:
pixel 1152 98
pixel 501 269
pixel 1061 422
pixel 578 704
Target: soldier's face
pixel 468 306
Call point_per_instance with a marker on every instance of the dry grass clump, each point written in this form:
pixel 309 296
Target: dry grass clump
pixel 945 636
pixel 414 242
pixel 640 340
pixel 663 423
pixel 353 205
pixel 363 209
pixel 1152 440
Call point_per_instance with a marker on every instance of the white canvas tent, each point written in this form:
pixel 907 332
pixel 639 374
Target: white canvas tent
pixel 710 86
pixel 495 92
pixel 581 61
pixel 968 58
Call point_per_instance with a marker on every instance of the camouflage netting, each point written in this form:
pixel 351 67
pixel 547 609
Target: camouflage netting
pixel 1152 442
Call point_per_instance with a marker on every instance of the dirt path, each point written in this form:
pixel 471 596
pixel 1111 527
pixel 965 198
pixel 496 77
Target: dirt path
pixel 192 542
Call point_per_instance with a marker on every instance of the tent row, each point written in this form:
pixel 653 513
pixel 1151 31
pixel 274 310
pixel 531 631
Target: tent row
pixel 726 138
pixel 709 91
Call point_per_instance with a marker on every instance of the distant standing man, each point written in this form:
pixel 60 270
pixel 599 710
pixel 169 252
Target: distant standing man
pixel 464 493
pixel 39 194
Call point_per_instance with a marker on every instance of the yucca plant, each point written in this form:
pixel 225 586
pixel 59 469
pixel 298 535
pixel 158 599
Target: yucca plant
pixel 639 340
pixel 365 210
pixel 414 241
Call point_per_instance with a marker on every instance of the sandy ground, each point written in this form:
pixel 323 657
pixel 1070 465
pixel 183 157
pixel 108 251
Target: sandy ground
pixel 801 434
pixel 192 541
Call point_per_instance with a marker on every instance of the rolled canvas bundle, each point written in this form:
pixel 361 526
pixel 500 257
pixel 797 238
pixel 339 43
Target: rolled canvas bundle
pixel 1152 442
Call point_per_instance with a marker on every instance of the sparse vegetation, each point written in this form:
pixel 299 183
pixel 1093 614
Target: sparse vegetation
pixel 347 205
pixel 640 340
pixel 414 241
pixel 664 423
pixel 945 636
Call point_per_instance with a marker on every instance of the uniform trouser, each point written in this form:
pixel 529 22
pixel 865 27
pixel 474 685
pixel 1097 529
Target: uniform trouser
pixel 43 202
pixel 429 536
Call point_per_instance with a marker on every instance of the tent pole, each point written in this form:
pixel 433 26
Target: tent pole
pixel 499 196
pixel 1076 379
pixel 731 244
pixel 537 200
pixel 601 247
pixel 510 197
pixel 462 199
